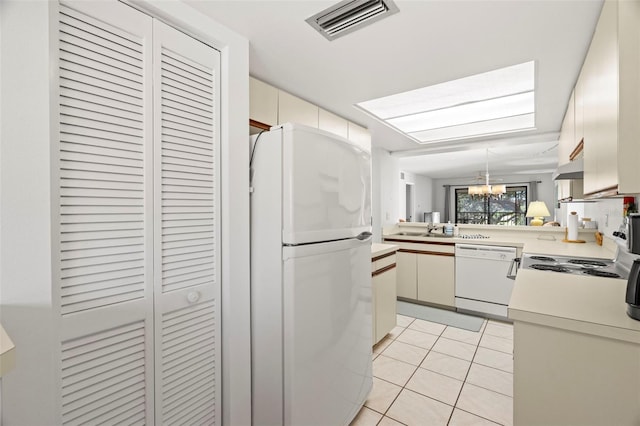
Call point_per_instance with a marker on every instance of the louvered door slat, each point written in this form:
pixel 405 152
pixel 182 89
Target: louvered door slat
pixel 72 70
pixel 100 116
pixel 83 103
pixel 103 101
pixel 173 67
pixel 92 26
pixel 181 103
pixel 70 248
pixel 182 112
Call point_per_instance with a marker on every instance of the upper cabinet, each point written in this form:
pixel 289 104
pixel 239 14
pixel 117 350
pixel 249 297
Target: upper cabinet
pixel 567 140
pixel 360 136
pixel 263 107
pixel 607 100
pixel 333 123
pixel 270 106
pixel 292 109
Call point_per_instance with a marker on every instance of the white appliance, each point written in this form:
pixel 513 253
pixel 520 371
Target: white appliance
pixel 484 278
pixel 310 277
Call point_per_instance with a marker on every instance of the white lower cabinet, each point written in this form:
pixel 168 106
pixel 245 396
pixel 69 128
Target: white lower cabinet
pixel 564 377
pixel 407 274
pixel 436 278
pixel 384 296
pixel 426 272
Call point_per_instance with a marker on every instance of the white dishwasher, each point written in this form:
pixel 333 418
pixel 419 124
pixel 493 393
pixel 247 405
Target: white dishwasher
pixel 484 278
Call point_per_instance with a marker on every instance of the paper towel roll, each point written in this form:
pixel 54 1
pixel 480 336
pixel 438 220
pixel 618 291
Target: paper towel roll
pixel 572 227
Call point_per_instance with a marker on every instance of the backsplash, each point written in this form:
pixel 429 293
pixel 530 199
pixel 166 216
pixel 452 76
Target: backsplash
pixel 608 213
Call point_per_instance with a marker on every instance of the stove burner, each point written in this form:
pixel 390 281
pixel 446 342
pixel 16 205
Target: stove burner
pixel 597 273
pixel 543 258
pixel 586 262
pixel 554 268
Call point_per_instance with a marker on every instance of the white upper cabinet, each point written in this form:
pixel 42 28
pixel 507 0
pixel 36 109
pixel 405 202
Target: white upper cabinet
pixel 333 123
pixel 263 102
pixel 292 109
pixel 610 93
pixel 360 136
pixel 270 106
pixel 567 143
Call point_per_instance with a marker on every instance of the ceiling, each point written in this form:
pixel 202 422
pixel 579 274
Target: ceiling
pixel 425 43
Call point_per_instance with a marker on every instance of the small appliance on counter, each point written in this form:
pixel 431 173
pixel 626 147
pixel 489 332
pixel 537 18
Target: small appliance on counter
pixel 633 291
pixel 633 237
pixel 633 282
pixel 432 217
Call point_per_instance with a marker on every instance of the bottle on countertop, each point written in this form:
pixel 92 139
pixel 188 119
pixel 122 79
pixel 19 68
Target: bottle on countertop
pixel 448 229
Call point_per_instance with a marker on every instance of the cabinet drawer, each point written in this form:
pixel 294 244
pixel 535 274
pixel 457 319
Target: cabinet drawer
pixel 431 248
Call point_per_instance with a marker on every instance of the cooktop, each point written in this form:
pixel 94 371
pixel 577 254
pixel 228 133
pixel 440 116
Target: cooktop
pixel 606 268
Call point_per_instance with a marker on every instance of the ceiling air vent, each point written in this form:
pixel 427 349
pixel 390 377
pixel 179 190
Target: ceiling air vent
pixel 350 15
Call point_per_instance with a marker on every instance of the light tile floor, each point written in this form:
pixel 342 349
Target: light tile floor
pixel 426 373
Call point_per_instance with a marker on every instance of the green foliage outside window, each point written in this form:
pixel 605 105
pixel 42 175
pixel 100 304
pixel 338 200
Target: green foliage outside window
pixel 507 209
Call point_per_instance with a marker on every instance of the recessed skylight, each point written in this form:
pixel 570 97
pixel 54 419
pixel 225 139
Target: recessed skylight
pixel 494 102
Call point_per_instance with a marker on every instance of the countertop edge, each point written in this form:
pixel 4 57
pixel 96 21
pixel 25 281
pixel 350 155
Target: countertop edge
pixel 7 352
pixel 379 249
pixel 594 329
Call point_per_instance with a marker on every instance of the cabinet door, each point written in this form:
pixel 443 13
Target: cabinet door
pixel 332 123
pixel 601 104
pixel 263 102
pixel 629 102
pixel 360 135
pixel 385 303
pixel 406 275
pixel 103 262
pixel 578 108
pixel 292 109
pixel 187 229
pixel 436 282
pixel 566 142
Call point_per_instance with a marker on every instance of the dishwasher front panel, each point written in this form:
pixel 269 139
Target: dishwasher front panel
pixel 481 275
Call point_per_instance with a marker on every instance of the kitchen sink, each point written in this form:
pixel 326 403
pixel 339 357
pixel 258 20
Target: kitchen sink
pixel 424 234
pixel 438 235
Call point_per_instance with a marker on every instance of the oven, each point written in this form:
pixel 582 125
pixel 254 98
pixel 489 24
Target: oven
pixel 484 278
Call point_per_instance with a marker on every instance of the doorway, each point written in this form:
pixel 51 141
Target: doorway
pixel 409 201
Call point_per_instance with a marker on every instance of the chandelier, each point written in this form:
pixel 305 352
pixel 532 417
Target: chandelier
pixel 487 189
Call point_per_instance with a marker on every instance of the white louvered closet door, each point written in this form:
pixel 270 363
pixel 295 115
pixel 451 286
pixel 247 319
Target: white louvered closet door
pixel 138 261
pixel 104 274
pixel 187 255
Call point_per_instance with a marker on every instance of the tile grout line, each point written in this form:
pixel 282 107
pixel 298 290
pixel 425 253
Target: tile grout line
pixel 428 351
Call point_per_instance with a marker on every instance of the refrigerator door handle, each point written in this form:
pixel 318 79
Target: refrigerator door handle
pixel 364 236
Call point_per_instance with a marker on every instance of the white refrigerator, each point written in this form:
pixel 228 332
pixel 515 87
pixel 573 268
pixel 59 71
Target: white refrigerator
pixel 310 277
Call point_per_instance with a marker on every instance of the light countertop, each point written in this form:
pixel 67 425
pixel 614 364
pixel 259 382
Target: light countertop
pixel 585 304
pixel 7 352
pixel 379 249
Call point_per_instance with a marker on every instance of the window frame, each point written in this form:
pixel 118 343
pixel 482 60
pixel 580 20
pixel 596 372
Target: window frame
pixel 486 212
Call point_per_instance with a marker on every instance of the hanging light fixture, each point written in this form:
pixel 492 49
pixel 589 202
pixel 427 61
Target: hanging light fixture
pixel 487 189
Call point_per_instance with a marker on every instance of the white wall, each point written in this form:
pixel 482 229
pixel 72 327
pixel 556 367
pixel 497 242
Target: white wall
pixel 422 195
pixel 25 219
pixel 25 207
pixel 546 190
pixel 385 194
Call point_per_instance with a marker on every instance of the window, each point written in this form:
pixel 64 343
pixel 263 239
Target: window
pixel 507 209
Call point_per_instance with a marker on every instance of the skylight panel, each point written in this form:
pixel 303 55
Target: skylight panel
pixel 490 97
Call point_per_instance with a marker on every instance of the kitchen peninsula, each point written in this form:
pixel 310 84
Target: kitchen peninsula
pixel 576 352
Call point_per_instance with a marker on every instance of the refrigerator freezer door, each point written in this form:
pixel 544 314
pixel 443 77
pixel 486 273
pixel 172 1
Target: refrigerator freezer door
pixel 326 186
pixel 327 332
